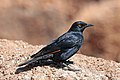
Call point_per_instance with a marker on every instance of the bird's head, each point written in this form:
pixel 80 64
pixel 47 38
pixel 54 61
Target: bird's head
pixel 79 26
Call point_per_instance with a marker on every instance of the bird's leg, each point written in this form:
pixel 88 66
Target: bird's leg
pixel 69 68
pixel 68 62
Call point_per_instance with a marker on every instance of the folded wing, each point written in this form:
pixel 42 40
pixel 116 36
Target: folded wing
pixel 66 41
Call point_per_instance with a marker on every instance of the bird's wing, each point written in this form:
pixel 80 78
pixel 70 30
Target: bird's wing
pixel 67 53
pixel 70 40
pixel 47 49
pixel 67 40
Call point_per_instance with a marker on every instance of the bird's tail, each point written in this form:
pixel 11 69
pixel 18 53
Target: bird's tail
pixel 47 56
pixel 27 62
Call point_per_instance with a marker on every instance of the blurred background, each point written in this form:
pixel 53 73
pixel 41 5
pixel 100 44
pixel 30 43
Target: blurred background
pixel 41 21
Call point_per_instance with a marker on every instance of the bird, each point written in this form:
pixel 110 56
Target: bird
pixel 62 48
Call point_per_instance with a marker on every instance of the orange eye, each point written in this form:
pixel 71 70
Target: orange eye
pixel 79 25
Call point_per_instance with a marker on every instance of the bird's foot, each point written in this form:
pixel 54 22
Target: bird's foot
pixel 68 62
pixel 68 67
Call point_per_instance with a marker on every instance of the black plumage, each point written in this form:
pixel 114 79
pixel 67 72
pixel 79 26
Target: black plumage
pixel 63 47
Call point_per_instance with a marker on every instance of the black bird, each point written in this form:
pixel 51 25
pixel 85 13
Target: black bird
pixel 63 47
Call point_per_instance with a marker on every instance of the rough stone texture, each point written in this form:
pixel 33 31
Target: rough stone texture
pixel 13 53
pixel 41 21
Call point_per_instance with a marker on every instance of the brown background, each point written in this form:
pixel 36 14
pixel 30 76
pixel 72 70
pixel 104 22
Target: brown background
pixel 41 21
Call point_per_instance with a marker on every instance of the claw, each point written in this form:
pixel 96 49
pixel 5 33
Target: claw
pixel 69 68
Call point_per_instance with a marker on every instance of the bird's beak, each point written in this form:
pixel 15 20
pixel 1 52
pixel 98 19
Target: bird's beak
pixel 89 25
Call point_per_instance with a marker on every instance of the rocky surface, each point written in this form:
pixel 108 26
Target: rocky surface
pixel 41 21
pixel 13 53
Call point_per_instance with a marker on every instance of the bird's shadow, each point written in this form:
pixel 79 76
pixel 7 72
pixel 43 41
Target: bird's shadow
pixel 41 63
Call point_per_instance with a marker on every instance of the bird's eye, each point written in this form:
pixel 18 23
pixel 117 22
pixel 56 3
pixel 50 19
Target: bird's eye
pixel 79 25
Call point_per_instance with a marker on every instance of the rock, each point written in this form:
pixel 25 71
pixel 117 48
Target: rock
pixel 91 68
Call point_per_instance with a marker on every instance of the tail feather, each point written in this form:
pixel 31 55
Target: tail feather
pixel 47 56
pixel 27 62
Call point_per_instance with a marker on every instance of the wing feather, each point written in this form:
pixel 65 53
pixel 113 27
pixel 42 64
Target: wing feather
pixel 67 40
